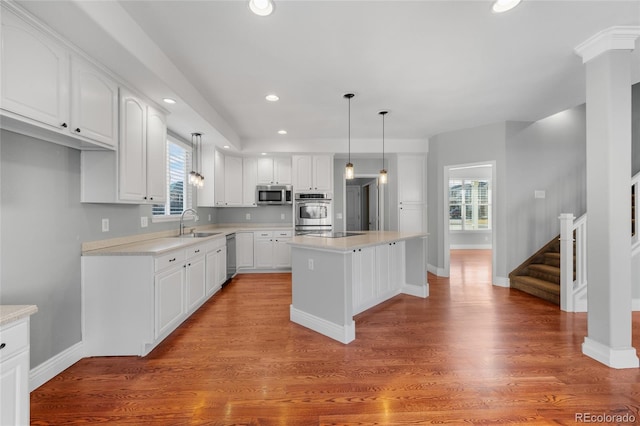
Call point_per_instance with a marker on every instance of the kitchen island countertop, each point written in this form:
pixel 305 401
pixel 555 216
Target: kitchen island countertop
pixel 9 313
pixel 365 239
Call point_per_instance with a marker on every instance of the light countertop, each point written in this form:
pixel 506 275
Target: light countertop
pixel 160 245
pixel 366 239
pixel 10 313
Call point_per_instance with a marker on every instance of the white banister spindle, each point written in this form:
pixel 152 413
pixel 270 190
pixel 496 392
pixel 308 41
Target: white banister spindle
pixel 566 262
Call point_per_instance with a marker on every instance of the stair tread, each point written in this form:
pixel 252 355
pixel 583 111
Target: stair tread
pixel 553 254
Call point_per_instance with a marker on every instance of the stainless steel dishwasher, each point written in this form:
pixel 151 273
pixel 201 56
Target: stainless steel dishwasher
pixel 231 256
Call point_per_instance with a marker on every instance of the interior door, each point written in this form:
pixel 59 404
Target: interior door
pixel 353 208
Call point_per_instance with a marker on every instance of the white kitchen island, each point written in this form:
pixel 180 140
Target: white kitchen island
pixel 334 279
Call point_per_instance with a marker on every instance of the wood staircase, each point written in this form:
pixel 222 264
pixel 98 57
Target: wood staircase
pixel 540 274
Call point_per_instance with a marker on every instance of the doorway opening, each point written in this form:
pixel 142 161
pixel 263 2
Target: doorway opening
pixel 469 222
pixel 362 204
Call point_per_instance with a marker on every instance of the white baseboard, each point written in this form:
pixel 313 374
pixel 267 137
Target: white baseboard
pixel 470 246
pixel 501 281
pixel 343 334
pixel 440 272
pixel 53 366
pixel 416 290
pixel 611 357
pixel 635 304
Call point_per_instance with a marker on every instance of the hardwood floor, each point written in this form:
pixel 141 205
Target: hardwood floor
pixel 470 353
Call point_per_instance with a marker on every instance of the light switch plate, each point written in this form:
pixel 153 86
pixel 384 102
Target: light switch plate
pixel 248 216
pixel 281 216
pixel 144 222
pixel 105 225
pixel 539 193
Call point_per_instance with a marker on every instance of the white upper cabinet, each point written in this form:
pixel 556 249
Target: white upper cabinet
pixel 249 180
pixel 47 87
pixel 411 172
pixel 132 150
pixel 233 181
pixel 312 172
pixel 35 74
pixel 142 160
pixel 219 179
pixel 156 156
pixel 94 104
pixel 274 170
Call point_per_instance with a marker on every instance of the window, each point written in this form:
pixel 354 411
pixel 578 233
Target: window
pixel 469 204
pixel 179 193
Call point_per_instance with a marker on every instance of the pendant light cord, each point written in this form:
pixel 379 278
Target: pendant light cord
pixel 349 129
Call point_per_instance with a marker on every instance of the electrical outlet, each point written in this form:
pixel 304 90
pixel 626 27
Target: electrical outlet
pixel 281 216
pixel 144 222
pixel 248 216
pixel 105 225
pixel 311 264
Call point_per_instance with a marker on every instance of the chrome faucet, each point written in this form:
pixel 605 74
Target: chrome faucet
pixel 195 213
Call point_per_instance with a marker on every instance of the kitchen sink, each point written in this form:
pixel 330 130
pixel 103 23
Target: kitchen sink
pixel 198 235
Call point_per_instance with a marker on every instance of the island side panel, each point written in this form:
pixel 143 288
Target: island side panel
pixel 321 292
pixel 416 267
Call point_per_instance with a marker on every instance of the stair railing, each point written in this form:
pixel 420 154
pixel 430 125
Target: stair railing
pixel 573 263
pixel 573 254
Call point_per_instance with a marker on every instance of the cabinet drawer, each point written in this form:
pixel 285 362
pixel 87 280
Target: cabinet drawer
pixel 215 244
pixel 287 233
pixel 169 259
pixel 14 338
pixel 263 234
pixel 195 250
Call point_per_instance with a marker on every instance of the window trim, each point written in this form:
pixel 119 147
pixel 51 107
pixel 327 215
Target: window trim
pixel 176 218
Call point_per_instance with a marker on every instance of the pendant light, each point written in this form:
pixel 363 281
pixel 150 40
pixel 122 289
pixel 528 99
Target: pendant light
pixel 261 7
pixel 383 172
pixel 348 171
pixel 195 177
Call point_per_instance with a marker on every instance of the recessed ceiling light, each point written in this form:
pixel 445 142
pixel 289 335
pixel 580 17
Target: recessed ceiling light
pixel 272 98
pixel 263 153
pixel 169 101
pixel 500 6
pixel 261 7
pixel 225 146
pixel 282 132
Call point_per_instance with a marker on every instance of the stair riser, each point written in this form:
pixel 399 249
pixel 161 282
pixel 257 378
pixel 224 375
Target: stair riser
pixel 544 276
pixel 549 297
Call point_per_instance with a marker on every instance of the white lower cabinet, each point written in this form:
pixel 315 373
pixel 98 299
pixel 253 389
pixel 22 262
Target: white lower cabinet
pixel 169 291
pixel 131 303
pixel 216 266
pixel 377 274
pixel 271 249
pixel 14 373
pixel 244 250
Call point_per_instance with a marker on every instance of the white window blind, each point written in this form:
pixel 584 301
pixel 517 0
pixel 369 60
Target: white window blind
pixel 179 192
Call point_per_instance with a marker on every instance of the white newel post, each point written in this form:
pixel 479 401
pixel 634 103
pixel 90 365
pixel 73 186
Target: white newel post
pixel 566 262
pixel 607 59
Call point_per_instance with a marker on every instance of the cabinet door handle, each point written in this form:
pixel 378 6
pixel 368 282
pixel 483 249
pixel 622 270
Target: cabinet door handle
pixel 3 345
pixel 144 198
pixel 77 129
pixel 151 198
pixel 188 264
pixel 197 251
pixel 172 260
pixel 64 125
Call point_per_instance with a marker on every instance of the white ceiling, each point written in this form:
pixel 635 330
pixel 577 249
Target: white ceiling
pixel 437 66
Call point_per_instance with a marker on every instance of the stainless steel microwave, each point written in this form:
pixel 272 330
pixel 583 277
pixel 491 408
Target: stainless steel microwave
pixel 274 194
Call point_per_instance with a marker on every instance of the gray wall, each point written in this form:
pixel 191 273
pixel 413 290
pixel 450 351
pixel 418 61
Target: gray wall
pixel 42 227
pixel 548 155
pixel 478 145
pixel 635 128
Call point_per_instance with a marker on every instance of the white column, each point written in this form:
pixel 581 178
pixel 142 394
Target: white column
pixel 566 259
pixel 607 58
